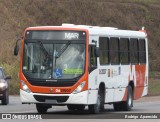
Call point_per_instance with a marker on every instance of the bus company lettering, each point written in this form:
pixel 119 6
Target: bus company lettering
pixel 102 71
pixel 71 36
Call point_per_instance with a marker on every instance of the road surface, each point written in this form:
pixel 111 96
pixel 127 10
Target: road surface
pixel 143 105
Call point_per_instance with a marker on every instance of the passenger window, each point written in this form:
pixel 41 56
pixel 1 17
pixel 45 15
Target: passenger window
pixel 142 51
pixel 134 51
pixel 124 51
pixel 104 50
pixel 114 50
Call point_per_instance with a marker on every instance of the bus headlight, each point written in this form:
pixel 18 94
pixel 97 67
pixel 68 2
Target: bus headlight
pixel 25 87
pixel 79 88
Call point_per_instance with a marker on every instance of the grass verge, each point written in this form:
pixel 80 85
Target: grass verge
pixel 154 87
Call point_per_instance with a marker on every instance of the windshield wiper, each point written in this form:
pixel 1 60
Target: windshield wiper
pixel 43 49
pixel 60 53
pixel 63 49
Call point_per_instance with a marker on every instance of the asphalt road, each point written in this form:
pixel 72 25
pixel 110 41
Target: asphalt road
pixel 144 105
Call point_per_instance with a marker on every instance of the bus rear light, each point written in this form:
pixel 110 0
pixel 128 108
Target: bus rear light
pixel 25 87
pixel 79 88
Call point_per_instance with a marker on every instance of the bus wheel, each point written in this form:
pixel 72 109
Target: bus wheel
pixel 41 108
pixel 95 108
pixel 76 107
pixel 71 107
pixel 127 105
pixel 80 107
pixel 117 106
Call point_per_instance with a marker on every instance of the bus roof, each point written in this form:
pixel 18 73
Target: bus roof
pixel 96 30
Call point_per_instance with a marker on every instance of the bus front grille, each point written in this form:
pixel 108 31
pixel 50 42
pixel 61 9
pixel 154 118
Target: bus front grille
pixel 59 99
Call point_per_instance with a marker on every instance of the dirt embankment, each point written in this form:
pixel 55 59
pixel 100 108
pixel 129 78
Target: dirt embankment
pixel 16 15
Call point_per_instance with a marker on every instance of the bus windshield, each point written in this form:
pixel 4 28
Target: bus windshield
pixel 50 60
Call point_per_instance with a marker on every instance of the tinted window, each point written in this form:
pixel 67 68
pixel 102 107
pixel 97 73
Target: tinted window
pixel 114 53
pixel 104 52
pixel 142 51
pixel 124 51
pixel 134 51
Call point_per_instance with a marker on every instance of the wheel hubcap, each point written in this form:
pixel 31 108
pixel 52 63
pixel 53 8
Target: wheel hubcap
pixel 130 100
pixel 98 103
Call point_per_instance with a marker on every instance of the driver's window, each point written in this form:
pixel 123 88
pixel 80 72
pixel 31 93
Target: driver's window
pixel 92 58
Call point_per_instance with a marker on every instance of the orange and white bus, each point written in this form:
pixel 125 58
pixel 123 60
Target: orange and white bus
pixel 79 66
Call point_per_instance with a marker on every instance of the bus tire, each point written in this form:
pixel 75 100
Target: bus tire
pixel 76 107
pixel 95 108
pixel 71 107
pixel 80 107
pixel 117 106
pixel 41 108
pixel 127 105
pixel 102 97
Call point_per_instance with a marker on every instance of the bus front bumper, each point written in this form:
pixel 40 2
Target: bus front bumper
pixel 54 99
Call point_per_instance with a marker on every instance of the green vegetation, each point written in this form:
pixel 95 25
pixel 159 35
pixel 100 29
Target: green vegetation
pixel 154 86
pixel 154 83
pixel 16 15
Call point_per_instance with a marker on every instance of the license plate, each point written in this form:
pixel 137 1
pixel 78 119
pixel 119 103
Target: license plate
pixel 51 101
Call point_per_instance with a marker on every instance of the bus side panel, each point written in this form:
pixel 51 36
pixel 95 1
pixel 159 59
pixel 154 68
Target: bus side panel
pixel 136 73
pixel 105 76
pixel 145 91
pixel 93 87
pixel 116 81
pixel 121 82
pixel 141 81
pixel 109 95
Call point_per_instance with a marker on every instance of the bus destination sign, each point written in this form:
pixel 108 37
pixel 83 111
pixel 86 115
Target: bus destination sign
pixel 56 35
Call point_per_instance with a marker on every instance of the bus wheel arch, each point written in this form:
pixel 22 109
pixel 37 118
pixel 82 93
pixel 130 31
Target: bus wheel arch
pixel 99 106
pixel 128 104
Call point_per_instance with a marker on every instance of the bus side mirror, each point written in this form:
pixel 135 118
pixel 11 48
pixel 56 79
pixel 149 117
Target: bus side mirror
pixel 16 49
pixel 97 53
